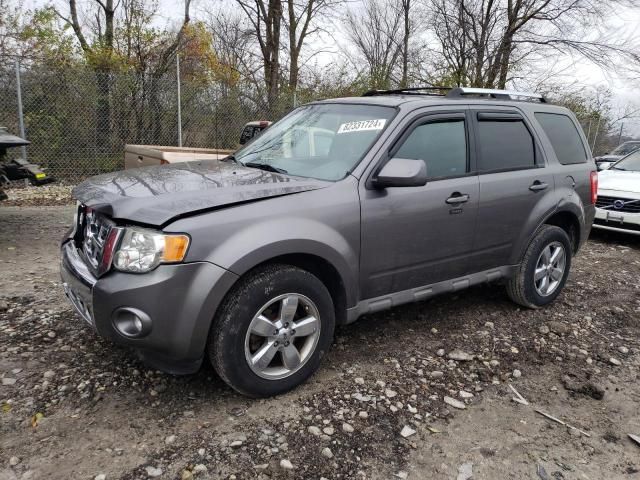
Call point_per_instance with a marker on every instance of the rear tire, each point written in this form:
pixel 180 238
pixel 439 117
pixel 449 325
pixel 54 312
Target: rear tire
pixel 254 345
pixel 544 269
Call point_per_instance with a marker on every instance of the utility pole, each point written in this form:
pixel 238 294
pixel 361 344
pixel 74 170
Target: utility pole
pixel 20 115
pixel 179 101
pixel 595 137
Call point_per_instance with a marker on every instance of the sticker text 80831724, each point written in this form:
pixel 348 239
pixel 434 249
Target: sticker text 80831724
pixel 362 125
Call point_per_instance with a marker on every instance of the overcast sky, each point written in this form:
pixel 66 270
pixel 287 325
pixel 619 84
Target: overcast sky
pixel 580 73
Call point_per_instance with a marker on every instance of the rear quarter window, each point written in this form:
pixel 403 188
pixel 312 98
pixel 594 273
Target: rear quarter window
pixel 564 137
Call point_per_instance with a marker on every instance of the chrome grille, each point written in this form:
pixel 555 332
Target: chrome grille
pixel 615 204
pixel 93 230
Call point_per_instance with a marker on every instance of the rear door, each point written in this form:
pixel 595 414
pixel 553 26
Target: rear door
pixel 415 236
pixel 513 178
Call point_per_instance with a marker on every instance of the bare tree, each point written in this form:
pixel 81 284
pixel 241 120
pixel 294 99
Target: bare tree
pixel 376 31
pixel 100 55
pixel 235 47
pixel 9 32
pixel 301 23
pixel 265 16
pixel 483 42
pixel 99 47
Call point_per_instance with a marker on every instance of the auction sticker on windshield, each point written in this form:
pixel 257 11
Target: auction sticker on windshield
pixel 362 125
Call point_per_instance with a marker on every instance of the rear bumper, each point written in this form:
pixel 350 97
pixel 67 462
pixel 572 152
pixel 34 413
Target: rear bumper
pixel 180 301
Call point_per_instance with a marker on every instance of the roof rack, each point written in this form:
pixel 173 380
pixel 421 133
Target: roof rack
pixel 408 91
pixel 497 94
pixel 459 92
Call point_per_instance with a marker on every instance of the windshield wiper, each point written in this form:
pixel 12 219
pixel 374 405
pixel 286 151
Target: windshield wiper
pixel 265 166
pixel 229 158
pixel 618 168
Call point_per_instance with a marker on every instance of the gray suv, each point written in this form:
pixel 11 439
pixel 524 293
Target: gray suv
pixel 343 208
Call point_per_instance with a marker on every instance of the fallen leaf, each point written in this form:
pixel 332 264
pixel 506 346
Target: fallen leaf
pixel 36 418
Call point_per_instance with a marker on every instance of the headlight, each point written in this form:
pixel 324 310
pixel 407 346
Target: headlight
pixel 141 250
pixel 74 229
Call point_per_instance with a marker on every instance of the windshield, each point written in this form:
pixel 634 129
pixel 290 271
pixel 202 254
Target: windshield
pixel 626 148
pixel 630 162
pixel 324 141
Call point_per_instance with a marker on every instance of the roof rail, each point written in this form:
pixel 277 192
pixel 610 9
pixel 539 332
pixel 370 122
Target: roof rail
pixel 493 93
pixel 408 91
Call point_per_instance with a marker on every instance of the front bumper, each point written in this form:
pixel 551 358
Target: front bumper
pixel 617 221
pixel 77 282
pixel 180 301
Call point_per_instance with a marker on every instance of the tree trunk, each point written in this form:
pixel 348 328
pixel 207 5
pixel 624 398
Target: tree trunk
pixel 153 133
pixel 109 13
pixel 142 107
pixel 272 47
pixel 293 44
pixel 505 64
pixel 293 71
pixel 404 82
pixel 103 111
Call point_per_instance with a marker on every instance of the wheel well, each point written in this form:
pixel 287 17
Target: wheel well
pixel 327 274
pixel 570 224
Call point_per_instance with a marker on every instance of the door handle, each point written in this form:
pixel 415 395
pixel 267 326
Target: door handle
pixel 538 185
pixel 456 198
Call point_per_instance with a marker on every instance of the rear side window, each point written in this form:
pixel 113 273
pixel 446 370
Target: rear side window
pixel 564 137
pixel 504 145
pixel 441 145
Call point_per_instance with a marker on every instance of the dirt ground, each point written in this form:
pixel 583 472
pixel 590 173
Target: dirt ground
pixel 75 406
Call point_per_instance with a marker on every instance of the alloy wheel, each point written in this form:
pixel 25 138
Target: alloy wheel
pixel 282 336
pixel 550 269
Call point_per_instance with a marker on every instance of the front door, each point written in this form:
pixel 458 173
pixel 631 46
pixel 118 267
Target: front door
pixel 415 236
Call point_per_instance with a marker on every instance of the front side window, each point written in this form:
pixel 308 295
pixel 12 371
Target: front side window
pixel 564 137
pixel 504 145
pixel 324 141
pixel 441 145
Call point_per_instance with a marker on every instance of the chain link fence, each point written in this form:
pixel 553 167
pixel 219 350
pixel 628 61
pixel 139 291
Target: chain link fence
pixel 79 120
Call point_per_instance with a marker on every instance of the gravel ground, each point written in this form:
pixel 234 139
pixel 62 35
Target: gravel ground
pixel 23 194
pixel 420 391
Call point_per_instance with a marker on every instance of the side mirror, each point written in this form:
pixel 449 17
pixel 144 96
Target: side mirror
pixel 401 172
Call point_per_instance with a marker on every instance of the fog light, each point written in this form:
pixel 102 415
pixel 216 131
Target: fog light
pixel 131 322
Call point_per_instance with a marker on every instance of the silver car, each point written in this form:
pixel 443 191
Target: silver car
pixel 345 207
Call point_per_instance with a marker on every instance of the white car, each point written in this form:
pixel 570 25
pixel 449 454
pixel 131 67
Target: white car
pixel 605 161
pixel 618 205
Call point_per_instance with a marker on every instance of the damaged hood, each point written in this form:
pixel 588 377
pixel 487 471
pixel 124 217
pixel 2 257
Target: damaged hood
pixel 156 195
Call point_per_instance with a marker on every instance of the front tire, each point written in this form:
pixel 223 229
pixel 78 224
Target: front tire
pixel 272 330
pixel 544 269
